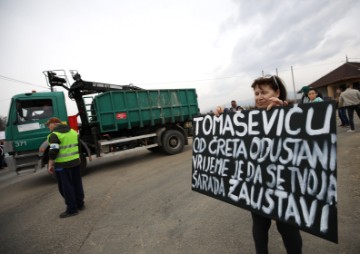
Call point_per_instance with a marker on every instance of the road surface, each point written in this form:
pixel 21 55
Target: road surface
pixel 142 202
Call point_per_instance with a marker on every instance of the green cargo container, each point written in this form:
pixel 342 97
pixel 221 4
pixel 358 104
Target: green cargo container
pixel 117 110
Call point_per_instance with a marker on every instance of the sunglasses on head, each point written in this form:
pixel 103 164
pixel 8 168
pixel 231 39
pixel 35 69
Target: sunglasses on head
pixel 270 78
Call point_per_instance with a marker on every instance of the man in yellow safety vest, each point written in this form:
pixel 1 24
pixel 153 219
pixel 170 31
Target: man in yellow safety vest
pixel 64 161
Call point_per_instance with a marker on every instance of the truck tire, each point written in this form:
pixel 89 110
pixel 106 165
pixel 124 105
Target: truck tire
pixel 173 142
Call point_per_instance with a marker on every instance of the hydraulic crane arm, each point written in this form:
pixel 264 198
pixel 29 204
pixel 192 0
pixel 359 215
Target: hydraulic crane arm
pixel 80 88
pixel 84 87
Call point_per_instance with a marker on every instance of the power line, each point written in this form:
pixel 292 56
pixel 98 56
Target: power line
pixel 308 66
pixel 192 81
pixel 300 67
pixel 19 81
pixel 195 80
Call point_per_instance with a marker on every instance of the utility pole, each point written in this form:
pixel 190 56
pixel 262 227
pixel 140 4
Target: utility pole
pixel 293 80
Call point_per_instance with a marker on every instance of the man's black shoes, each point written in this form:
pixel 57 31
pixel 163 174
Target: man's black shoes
pixel 67 214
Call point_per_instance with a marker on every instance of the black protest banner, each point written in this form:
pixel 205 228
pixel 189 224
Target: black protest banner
pixel 279 163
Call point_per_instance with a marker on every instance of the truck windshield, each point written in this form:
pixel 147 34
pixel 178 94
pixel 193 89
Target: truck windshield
pixel 33 110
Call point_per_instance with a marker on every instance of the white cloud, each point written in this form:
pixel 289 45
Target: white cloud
pixel 216 46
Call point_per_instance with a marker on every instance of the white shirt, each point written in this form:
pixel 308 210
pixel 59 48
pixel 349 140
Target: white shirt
pixel 349 97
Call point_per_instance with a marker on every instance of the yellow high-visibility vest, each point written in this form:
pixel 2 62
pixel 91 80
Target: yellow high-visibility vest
pixel 68 148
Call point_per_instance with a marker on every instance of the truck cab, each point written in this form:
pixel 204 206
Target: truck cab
pixel 25 129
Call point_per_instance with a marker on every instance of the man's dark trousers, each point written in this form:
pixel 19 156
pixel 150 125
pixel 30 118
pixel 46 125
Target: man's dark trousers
pixel 70 187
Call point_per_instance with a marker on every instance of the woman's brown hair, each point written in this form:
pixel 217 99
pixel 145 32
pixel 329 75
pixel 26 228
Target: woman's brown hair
pixel 275 83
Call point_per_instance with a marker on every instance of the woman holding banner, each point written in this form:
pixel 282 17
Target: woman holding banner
pixel 270 91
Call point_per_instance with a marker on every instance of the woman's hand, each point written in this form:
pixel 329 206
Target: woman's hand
pixel 275 102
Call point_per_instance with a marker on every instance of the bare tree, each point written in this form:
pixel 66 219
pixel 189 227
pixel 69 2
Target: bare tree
pixel 2 122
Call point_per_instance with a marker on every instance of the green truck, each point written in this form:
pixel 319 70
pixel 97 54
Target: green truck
pixel 113 118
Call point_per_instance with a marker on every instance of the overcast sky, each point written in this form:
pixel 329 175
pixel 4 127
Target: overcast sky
pixel 215 46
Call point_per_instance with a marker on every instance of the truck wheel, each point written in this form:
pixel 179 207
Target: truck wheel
pixel 173 142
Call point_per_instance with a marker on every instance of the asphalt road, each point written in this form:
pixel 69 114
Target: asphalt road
pixel 142 202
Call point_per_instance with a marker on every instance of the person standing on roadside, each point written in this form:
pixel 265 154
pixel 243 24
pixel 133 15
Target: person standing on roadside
pixel 2 155
pixel 350 99
pixel 270 91
pixel 313 95
pixel 341 110
pixel 234 107
pixel 64 161
pixel 304 97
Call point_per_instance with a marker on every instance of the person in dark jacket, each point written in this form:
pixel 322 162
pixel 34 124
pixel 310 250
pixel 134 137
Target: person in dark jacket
pixel 304 98
pixel 64 161
pixel 270 91
pixel 2 154
pixel 234 107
